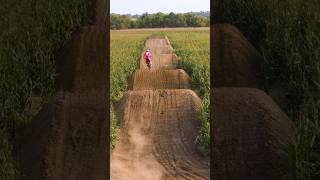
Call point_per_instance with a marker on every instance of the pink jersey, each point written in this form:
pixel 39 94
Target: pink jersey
pixel 147 56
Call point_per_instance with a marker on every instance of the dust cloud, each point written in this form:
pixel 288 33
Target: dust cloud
pixel 137 162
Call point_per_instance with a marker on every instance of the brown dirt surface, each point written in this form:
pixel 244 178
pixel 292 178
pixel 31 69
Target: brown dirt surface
pixel 67 140
pixel 157 140
pixel 249 132
pixel 236 63
pixel 162 52
pixel 86 45
pixel 69 137
pixel 159 124
pixel 160 79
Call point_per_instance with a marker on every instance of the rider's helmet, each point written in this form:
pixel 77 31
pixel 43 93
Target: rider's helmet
pixel 148 50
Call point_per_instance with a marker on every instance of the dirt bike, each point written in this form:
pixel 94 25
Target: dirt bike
pixel 149 64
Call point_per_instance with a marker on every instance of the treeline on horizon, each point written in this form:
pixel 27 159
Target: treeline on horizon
pixel 158 20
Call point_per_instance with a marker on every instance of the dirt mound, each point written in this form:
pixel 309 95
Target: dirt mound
pixel 67 140
pixel 91 60
pixel 87 45
pixel 162 52
pixel 156 42
pixel 160 79
pixel 159 129
pixel 236 63
pixel 249 132
pixel 160 61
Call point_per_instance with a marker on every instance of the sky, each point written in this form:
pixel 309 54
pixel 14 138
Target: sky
pixel 153 6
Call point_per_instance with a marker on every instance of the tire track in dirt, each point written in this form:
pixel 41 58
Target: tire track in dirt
pixel 160 79
pixel 160 123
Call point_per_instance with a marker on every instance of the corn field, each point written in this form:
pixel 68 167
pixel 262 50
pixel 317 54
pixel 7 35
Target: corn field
pixel 31 32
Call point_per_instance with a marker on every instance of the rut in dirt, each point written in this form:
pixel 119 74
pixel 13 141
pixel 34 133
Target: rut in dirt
pixel 159 123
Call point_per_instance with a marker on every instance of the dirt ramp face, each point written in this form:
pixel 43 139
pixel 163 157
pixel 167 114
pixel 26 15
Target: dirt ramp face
pixel 162 52
pixel 250 132
pixel 87 50
pixel 77 147
pixel 67 140
pixel 236 63
pixel 157 138
pixel 156 42
pixel 160 79
pixel 160 61
pixel 91 60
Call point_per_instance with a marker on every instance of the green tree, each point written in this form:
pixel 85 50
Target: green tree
pixel 190 19
pixel 169 20
pixel 200 21
pixel 158 19
pixel 180 20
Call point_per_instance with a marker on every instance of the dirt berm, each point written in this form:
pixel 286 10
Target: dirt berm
pixel 159 123
pixel 68 138
pixel 249 130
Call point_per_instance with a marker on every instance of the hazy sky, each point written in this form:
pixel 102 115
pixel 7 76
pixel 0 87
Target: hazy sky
pixel 152 6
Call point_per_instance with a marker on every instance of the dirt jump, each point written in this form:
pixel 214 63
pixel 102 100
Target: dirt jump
pixel 159 123
pixel 249 130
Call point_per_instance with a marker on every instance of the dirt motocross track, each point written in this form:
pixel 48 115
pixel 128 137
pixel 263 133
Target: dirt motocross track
pixel 160 123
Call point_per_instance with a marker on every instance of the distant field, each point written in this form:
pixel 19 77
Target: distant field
pixel 167 29
pixel 192 45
